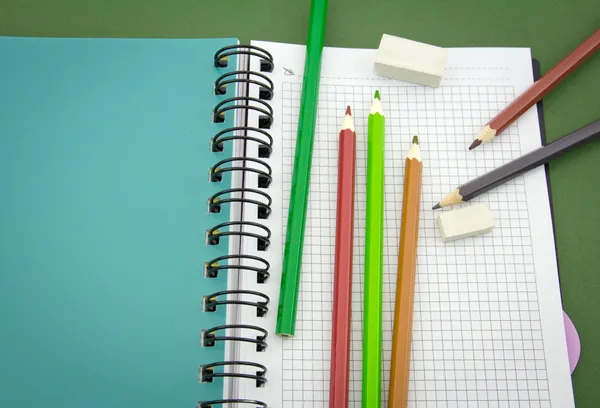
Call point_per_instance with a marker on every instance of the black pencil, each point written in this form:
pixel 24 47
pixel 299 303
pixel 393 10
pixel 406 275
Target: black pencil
pixel 518 166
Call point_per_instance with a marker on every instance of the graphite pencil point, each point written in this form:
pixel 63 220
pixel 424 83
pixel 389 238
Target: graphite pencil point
pixel 475 143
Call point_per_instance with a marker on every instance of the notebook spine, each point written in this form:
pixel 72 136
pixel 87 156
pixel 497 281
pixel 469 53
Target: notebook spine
pixel 259 198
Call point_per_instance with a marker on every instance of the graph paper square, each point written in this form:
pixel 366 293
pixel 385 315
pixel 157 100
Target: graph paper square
pixel 477 331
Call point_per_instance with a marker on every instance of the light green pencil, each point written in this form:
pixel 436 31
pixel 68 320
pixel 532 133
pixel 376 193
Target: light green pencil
pixel 372 330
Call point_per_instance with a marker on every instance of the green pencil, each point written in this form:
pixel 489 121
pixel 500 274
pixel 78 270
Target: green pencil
pixel 372 329
pixel 294 240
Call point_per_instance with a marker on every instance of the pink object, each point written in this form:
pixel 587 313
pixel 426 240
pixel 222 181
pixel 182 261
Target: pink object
pixel 573 344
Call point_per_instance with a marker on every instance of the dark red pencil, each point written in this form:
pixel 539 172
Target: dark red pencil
pixel 342 280
pixel 538 90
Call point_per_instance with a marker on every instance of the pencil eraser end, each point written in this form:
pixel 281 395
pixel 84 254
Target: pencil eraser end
pixel 465 222
pixel 410 61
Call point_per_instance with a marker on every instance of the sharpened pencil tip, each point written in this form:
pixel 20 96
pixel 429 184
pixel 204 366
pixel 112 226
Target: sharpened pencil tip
pixel 475 143
pixel 377 96
pixel 415 140
pixel 435 207
pixel 348 111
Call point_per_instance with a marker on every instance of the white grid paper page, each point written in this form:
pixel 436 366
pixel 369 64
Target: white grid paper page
pixel 488 328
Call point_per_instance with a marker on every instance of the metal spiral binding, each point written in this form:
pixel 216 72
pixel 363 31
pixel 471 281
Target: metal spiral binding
pixel 208 374
pixel 265 147
pixel 265 120
pixel 264 208
pixel 265 90
pixel 264 176
pixel 212 268
pixel 211 302
pixel 209 336
pixel 258 197
pixel 266 59
pixel 214 403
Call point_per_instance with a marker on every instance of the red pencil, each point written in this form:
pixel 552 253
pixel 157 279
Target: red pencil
pixel 538 90
pixel 342 286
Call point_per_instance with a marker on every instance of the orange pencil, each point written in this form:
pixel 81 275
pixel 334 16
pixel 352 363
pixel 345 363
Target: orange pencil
pixel 405 285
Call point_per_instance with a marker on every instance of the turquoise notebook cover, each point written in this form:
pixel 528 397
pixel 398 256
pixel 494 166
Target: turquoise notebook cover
pixel 104 159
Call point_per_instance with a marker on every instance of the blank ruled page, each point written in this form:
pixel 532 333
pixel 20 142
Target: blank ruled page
pixel 488 329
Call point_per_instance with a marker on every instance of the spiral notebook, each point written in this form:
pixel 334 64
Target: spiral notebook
pixel 119 185
pixel 144 199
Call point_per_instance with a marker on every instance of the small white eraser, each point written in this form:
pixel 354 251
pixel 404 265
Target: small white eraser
pixel 465 222
pixel 410 61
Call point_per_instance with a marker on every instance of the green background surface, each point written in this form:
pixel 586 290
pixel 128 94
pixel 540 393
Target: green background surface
pixel 551 28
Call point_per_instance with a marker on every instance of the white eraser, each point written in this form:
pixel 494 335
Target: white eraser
pixel 410 61
pixel 465 222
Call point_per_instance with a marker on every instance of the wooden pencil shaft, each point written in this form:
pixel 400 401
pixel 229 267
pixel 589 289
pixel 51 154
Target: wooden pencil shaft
pixel 528 161
pixel 342 286
pixel 294 240
pixel 405 286
pixel 545 84
pixel 373 277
